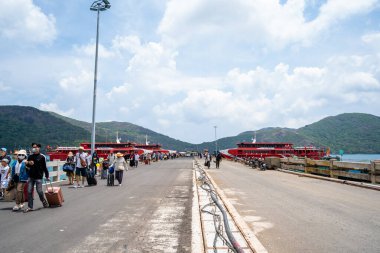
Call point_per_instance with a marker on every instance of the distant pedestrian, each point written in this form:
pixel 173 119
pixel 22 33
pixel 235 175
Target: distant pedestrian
pixel 20 177
pixel 149 157
pixel 218 159
pixel 207 159
pixel 132 159
pixel 80 166
pixel 36 166
pixel 137 157
pixel 3 154
pixel 120 165
pixel 111 157
pixel 105 167
pixel 69 167
pixel 4 172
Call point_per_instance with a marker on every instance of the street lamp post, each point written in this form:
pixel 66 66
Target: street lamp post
pixel 99 5
pixel 216 143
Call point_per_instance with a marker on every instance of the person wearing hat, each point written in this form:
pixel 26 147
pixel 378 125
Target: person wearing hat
pixel 120 165
pixel 36 167
pixel 3 154
pixel 71 164
pixel 20 177
pixel 4 171
pixel 81 163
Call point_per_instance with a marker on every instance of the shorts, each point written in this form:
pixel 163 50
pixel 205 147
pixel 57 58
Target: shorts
pixel 80 172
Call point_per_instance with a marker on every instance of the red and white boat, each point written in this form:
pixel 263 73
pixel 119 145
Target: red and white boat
pixel 271 149
pixel 103 149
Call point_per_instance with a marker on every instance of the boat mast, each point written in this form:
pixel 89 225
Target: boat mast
pixel 254 138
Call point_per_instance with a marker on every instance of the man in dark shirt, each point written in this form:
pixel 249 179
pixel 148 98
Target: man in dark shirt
pixel 36 166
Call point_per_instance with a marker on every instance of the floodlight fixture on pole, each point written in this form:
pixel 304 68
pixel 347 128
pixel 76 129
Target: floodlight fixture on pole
pixel 99 5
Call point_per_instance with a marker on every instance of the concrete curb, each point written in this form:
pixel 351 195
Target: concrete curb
pixel 335 180
pixel 249 236
pixel 197 243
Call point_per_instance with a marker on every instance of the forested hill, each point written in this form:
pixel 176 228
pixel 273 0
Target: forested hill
pixel 351 132
pixel 21 125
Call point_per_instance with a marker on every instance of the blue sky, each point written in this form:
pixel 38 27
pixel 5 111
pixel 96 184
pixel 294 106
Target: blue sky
pixel 180 67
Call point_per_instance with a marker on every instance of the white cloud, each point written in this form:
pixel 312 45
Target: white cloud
pixel 77 83
pixel 266 22
pixel 22 21
pixel 89 50
pixel 52 107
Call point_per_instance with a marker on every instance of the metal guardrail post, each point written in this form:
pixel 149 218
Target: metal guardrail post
pixel 373 172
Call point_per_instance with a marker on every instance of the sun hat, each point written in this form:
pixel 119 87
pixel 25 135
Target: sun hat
pixel 22 152
pixel 5 160
pixel 4 149
pixel 119 154
pixel 81 148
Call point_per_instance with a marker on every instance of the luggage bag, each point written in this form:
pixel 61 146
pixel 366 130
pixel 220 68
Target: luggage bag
pixel 91 180
pixel 54 195
pixel 110 179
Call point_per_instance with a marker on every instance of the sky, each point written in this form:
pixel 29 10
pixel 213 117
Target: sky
pixel 181 67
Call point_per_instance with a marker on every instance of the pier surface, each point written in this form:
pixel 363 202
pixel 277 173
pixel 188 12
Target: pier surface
pixel 153 212
pixel 289 213
pixel 150 212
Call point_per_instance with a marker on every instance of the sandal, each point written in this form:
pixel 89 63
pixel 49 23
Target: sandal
pixel 28 210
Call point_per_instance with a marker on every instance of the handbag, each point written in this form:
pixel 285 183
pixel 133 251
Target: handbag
pixel 11 185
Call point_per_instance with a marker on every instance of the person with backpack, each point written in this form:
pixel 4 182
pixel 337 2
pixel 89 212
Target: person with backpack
pixel 120 165
pixel 36 167
pixel 80 167
pixel 218 159
pixel 20 178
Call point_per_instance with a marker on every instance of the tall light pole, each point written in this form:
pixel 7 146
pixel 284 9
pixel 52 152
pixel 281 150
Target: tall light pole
pixel 98 6
pixel 216 143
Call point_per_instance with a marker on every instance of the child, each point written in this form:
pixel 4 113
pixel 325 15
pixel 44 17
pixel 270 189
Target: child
pixel 4 169
pixel 105 168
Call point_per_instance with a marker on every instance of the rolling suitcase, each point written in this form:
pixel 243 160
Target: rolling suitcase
pixel 110 179
pixel 104 173
pixel 54 195
pixel 91 180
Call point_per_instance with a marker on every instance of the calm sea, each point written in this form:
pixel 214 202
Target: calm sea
pixel 365 158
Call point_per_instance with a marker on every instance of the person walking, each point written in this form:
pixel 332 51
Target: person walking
pixel 120 165
pixel 111 157
pixel 137 157
pixel 4 172
pixel 81 162
pixel 36 167
pixel 20 177
pixel 207 159
pixel 218 159
pixel 4 155
pixel 70 167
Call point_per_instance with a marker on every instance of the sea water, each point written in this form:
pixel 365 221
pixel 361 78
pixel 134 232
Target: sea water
pixel 364 158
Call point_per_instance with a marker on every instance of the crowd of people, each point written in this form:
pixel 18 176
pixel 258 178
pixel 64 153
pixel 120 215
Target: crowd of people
pixel 209 158
pixel 24 172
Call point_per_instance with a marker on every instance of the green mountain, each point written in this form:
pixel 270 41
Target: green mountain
pixel 128 132
pixel 352 132
pixel 20 126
